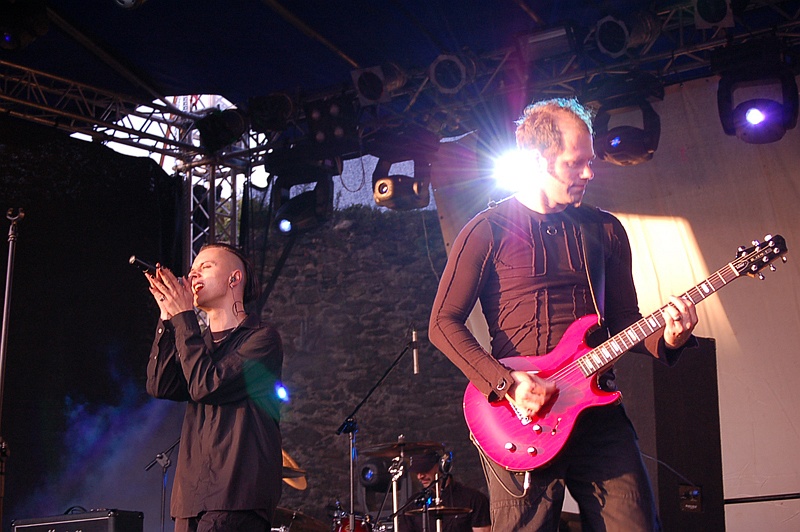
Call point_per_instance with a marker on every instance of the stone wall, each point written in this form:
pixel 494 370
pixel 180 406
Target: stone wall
pixel 345 302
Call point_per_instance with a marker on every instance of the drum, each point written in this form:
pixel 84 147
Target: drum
pixel 360 524
pixel 287 520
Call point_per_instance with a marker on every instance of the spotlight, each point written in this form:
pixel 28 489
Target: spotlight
pixel 760 120
pixel 281 392
pixel 514 170
pixel 305 211
pixel 547 43
pixel 614 36
pixel 269 113
pixel 221 128
pixel 408 143
pixel 332 124
pixel 627 145
pixel 713 14
pixel 21 23
pixel 449 73
pixel 129 4
pixel 375 84
pixel 374 474
pixel 401 192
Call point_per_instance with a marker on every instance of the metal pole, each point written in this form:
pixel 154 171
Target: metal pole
pixel 12 244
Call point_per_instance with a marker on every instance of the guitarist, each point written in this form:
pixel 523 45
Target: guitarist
pixel 538 261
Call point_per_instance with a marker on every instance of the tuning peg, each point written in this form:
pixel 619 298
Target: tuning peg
pixel 760 276
pixel 772 267
pixel 784 259
pixel 756 243
pixel 767 237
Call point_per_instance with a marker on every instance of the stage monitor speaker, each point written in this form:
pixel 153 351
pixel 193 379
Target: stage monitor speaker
pixel 676 414
pixel 105 520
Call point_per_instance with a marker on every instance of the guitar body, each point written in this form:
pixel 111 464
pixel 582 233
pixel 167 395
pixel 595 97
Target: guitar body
pixel 521 444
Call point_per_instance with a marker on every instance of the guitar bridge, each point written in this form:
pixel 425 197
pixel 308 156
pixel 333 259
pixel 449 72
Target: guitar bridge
pixel 523 418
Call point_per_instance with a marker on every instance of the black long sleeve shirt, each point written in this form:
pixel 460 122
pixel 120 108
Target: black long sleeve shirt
pixel 528 270
pixel 230 452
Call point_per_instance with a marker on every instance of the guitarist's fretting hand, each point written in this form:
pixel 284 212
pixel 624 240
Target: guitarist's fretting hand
pixel 529 392
pixel 681 318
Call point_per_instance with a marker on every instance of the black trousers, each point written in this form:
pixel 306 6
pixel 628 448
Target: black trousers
pixel 229 521
pixel 602 467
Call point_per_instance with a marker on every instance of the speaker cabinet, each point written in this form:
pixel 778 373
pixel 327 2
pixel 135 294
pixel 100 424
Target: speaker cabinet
pixel 93 521
pixel 676 414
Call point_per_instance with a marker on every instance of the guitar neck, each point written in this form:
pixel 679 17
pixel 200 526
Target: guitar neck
pixel 609 351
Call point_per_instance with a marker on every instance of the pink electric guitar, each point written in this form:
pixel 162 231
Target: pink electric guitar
pixel 521 443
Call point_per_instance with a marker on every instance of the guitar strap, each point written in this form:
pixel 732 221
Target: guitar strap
pixel 593 238
pixel 595 232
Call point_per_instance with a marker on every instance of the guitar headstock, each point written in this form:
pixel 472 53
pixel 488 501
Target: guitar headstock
pixel 752 260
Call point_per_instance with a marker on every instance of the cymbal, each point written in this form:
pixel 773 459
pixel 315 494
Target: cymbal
pixel 390 450
pixel 441 511
pixel 292 474
pixel 297 521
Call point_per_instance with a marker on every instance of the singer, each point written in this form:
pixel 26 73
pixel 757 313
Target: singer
pixel 538 261
pixel 229 468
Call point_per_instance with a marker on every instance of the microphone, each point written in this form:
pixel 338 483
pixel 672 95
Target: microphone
pixel 415 350
pixel 143 264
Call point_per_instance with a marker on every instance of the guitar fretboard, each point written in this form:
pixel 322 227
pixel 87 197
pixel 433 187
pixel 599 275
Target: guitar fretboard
pixel 606 353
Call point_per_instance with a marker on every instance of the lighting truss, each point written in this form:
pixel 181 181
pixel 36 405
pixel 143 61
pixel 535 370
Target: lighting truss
pixel 102 115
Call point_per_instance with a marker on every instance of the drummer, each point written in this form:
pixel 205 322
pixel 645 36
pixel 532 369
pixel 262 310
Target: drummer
pixel 432 469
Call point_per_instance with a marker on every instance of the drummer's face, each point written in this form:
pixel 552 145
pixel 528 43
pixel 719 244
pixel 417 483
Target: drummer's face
pixel 427 478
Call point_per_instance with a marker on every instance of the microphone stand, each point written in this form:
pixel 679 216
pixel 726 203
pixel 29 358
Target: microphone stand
pixel 422 497
pixel 350 426
pixel 162 459
pixel 12 247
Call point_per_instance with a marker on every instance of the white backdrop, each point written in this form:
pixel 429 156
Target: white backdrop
pixel 703 195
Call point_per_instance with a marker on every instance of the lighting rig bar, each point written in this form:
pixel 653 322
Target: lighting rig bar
pixel 102 115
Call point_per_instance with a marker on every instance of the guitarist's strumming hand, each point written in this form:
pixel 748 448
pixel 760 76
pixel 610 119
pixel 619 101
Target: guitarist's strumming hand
pixel 529 392
pixel 681 318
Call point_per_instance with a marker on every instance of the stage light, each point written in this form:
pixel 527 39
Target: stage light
pixel 401 192
pixel 374 474
pixel 758 120
pixel 332 125
pixel 221 128
pixel 449 73
pixel 21 23
pixel 627 145
pixel 281 393
pixel 754 116
pixel 547 43
pixel 306 210
pixel 615 36
pixel 515 170
pixel 129 4
pixel 407 143
pixel 375 84
pixel 759 66
pixel 298 215
pixel 270 113
pixel 712 14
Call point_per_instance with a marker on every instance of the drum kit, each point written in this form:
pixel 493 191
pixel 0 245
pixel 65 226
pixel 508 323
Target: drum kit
pixel 395 457
pixel 399 454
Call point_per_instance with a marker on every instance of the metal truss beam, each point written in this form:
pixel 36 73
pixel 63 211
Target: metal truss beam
pixel 102 115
